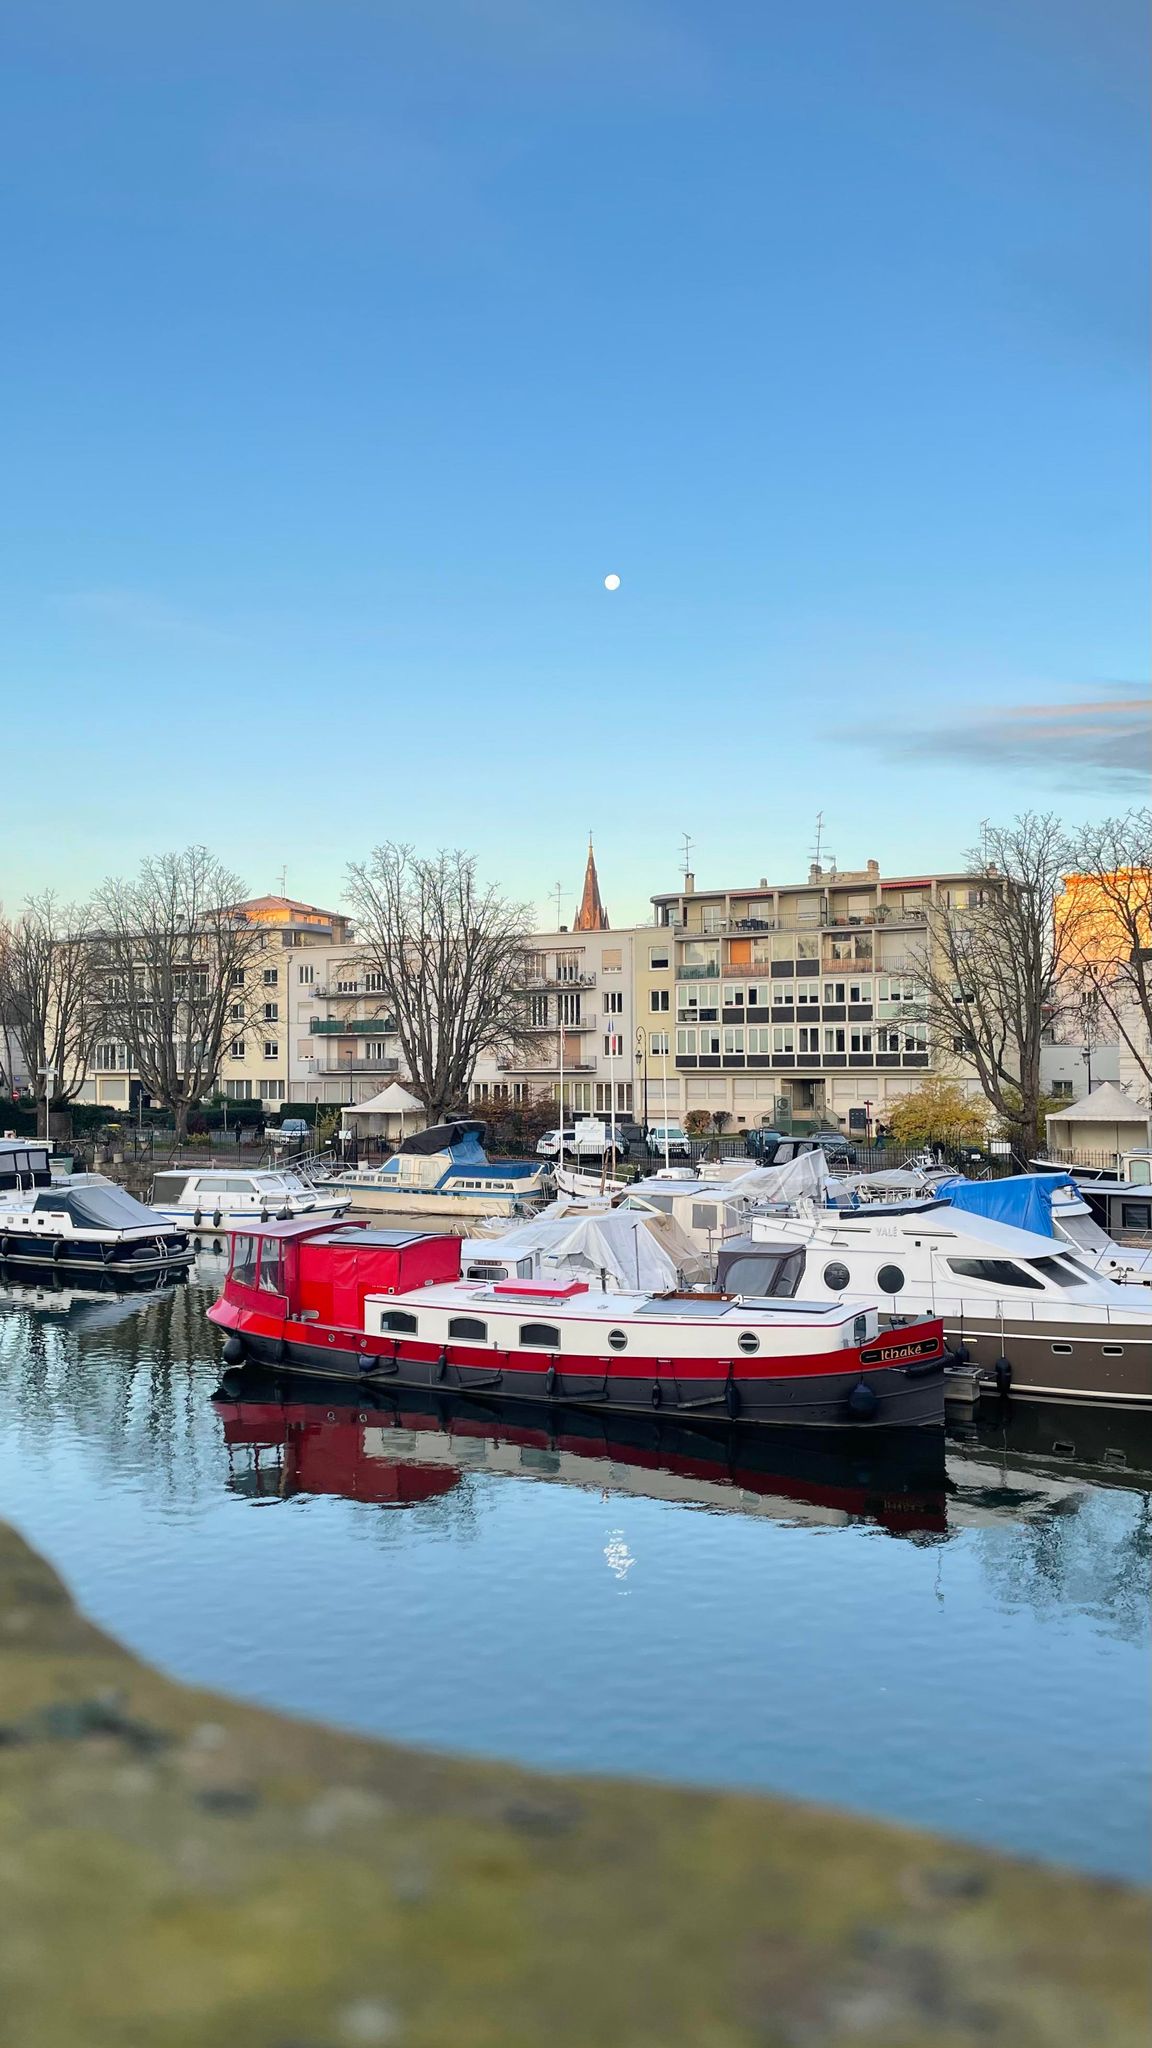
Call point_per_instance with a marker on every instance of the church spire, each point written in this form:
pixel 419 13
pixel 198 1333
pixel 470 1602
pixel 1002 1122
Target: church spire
pixel 591 916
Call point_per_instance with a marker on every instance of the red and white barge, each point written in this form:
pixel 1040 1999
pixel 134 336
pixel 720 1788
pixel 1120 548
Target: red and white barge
pixel 389 1306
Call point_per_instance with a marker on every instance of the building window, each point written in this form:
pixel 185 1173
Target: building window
pixel 733 1038
pixel 613 1044
pixel 916 1038
pixel 834 1038
pixel 271 1049
pixel 238 1091
pixel 271 1013
pixel 612 959
pixel 614 1002
pixel 860 1041
pixel 236 978
pixel 777 992
pixel 783 1038
pixel 271 977
pixel 685 1041
pixel 306 976
pixel 658 1043
pixel 658 956
pixel 710 1041
pixel 376 1049
pixel 1063 1088
pixel 347 988
pixel 835 991
pixel 538 1011
pixel 808 993
pixel 659 1000
pixel 567 966
pixel 733 996
pixel 236 1049
pixel 569 1000
pixel 272 1091
pixel 374 983
pixel 808 1038
pixel 859 991
pixel 236 1013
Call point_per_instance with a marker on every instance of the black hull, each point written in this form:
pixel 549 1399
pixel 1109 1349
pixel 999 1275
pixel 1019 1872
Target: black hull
pixel 62 1256
pixel 901 1397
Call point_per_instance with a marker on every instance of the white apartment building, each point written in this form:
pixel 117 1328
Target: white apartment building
pixel 581 1016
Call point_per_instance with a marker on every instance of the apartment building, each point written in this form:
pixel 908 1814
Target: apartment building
pixel 343 1044
pixel 580 1018
pixel 798 1000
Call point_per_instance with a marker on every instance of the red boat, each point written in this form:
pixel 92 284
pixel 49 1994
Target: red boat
pixel 389 1305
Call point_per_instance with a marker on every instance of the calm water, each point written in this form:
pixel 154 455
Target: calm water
pixel 964 1649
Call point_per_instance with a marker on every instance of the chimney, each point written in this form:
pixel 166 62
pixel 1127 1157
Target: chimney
pixel 763 881
pixel 815 872
pixel 873 867
pixel 689 885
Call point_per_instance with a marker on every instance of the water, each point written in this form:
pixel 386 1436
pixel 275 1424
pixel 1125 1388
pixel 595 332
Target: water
pixel 964 1650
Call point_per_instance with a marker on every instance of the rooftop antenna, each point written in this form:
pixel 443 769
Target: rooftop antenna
pixel 984 842
pixel 558 893
pixel 283 881
pixel 819 840
pixel 688 844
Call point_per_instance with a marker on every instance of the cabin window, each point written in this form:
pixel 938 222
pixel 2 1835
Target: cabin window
pixel 705 1216
pixel 890 1278
pixel 399 1320
pixel 168 1187
pixel 617 1341
pixel 539 1337
pixel 836 1276
pixel 1112 1350
pixel 1136 1215
pixel 748 1340
pixel 245 1253
pixel 271 1265
pixel 1063 1350
pixel 1059 1270
pixel 997 1272
pixel 470 1327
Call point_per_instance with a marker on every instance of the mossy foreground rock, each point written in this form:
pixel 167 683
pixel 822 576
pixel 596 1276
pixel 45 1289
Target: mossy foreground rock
pixel 178 1871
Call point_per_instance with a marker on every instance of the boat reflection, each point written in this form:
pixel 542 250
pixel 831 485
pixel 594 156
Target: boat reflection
pixel 403 1448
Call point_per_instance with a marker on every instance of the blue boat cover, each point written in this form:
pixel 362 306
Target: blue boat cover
pixel 1022 1199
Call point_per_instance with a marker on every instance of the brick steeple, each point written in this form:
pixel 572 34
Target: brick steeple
pixel 591 916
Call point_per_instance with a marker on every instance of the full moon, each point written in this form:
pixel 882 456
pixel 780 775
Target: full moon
pixel 612 582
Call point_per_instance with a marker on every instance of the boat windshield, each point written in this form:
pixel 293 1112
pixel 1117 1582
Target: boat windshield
pixel 1085 1232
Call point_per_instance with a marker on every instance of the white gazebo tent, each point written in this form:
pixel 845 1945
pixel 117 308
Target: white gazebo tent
pixel 1107 1120
pixel 393 1114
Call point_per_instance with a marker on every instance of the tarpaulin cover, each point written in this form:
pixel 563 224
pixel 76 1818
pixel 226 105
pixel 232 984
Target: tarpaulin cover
pixel 583 1245
pixel 1022 1199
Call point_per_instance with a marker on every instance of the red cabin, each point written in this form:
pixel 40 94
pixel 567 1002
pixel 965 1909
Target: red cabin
pixel 321 1272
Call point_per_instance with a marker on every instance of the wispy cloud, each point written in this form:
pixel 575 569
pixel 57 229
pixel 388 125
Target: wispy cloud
pixel 1100 743
pixel 139 613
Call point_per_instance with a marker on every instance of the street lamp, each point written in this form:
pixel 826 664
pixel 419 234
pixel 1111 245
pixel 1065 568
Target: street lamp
pixel 642 1056
pixel 49 1076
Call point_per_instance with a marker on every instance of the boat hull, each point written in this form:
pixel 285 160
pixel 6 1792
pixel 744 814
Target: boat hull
pixel 1052 1361
pixel 62 1255
pixel 444 1209
pixel 899 1395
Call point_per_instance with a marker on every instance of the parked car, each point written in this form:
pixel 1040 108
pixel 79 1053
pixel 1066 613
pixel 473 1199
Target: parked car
pixel 772 1148
pixel 670 1139
pixel 589 1139
pixel 291 1130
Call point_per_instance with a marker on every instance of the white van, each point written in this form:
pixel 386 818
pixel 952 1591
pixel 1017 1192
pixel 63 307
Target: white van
pixel 669 1138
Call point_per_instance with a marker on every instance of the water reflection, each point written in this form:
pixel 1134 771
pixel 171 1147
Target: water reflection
pixel 617 1593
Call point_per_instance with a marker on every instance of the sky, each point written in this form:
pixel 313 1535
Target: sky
pixel 349 344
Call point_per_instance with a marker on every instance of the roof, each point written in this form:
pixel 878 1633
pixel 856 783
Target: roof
pixel 391 1101
pixel 591 916
pixel 1107 1104
pixel 259 905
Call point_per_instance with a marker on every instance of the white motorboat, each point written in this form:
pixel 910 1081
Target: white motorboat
pixel 445 1174
pixel 226 1198
pixel 86 1224
pixel 1033 1316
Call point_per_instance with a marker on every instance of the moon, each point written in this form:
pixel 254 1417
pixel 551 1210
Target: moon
pixel 612 582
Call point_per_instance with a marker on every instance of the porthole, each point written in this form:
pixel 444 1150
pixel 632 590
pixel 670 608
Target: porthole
pixel 1062 1350
pixel 617 1341
pixel 836 1276
pixel 1112 1350
pixel 890 1278
pixel 748 1340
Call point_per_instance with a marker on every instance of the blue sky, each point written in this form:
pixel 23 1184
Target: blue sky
pixel 349 344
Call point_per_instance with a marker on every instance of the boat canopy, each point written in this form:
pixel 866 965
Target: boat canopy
pixel 613 1246
pixel 461 1139
pixel 93 1203
pixel 1022 1199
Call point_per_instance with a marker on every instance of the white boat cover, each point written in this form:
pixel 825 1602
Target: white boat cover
pixel 806 1175
pixel 585 1245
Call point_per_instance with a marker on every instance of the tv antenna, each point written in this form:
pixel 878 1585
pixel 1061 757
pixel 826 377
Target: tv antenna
pixel 817 850
pixel 283 881
pixel 558 893
pixel 688 844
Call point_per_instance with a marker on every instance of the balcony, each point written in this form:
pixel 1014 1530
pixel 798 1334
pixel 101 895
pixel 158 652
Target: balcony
pixel 560 981
pixel 547 1067
pixel 318 1068
pixel 351 1027
pixel 328 991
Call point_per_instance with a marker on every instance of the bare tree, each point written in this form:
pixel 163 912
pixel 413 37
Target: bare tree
pixel 994 967
pixel 176 954
pixel 1109 895
pixel 450 956
pixel 46 1006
